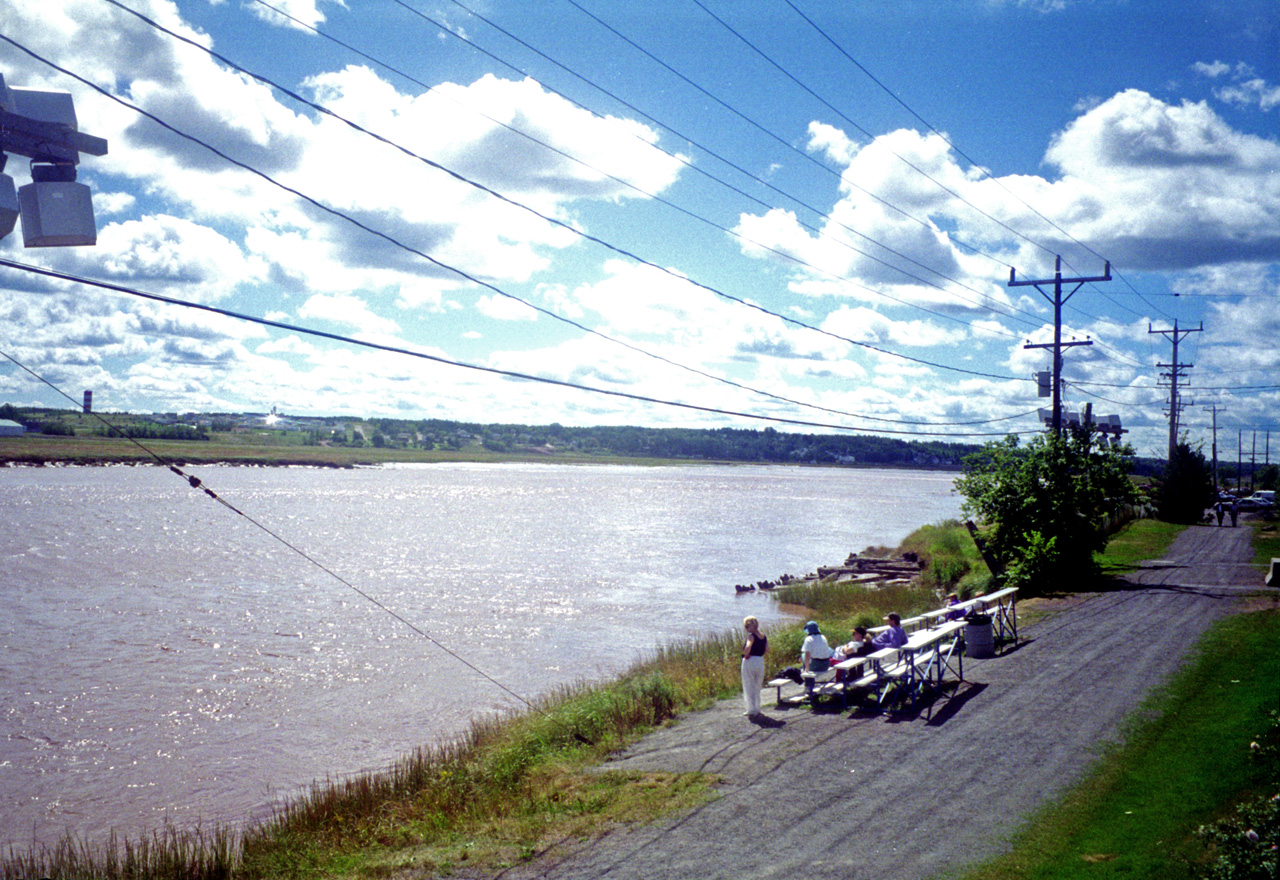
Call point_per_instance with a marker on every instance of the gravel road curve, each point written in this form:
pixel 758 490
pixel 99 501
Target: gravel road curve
pixel 855 795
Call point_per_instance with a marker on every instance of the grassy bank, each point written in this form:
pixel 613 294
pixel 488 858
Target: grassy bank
pixel 493 797
pixel 1266 544
pixel 1140 540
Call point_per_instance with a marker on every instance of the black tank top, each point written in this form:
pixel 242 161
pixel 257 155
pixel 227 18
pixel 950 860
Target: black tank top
pixel 759 644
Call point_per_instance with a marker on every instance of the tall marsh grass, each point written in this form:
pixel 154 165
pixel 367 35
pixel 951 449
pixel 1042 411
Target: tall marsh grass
pixel 505 777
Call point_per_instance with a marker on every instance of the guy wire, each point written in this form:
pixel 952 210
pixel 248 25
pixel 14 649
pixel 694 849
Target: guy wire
pixel 197 483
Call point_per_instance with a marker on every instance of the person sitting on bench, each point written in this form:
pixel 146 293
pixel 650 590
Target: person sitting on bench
pixel 893 637
pixel 859 645
pixel 815 653
pixel 957 614
pixel 856 647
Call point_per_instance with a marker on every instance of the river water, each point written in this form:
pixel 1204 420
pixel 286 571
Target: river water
pixel 165 659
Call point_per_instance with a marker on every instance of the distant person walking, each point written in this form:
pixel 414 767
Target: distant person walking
pixel 1235 512
pixel 1217 511
pixel 753 651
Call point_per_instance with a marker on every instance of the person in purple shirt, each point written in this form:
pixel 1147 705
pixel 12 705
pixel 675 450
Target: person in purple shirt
pixel 894 637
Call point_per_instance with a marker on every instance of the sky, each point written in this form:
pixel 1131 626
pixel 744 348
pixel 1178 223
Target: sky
pixel 798 214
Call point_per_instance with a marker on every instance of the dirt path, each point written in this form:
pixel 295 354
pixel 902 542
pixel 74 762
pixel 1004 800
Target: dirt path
pixel 854 795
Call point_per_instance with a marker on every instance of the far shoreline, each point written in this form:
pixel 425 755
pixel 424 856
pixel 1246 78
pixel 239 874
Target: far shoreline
pixel 54 451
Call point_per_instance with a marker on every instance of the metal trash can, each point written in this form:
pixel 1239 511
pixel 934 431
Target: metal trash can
pixel 978 638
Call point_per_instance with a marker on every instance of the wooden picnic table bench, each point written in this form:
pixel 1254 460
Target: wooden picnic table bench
pixel 902 673
pixel 932 648
pixel 919 665
pixel 1000 605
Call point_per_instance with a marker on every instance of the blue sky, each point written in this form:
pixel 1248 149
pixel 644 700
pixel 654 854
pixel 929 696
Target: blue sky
pixel 800 213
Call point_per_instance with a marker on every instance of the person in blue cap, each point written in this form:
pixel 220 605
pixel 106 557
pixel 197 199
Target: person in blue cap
pixel 815 653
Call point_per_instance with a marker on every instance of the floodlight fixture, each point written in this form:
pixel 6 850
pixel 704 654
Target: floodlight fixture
pixel 55 210
pixel 8 201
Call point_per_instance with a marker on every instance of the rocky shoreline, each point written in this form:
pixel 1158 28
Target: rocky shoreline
pixel 856 570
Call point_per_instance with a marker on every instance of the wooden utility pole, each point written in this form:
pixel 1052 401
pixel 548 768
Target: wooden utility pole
pixel 1253 459
pixel 1175 336
pixel 1214 409
pixel 1057 345
pixel 1239 459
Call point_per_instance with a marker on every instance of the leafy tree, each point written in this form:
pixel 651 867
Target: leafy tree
pixel 57 428
pixel 1043 505
pixel 1268 477
pixel 1187 488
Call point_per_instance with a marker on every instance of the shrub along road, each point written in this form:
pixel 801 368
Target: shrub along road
pixel 857 795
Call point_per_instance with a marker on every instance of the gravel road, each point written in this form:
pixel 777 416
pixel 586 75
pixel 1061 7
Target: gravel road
pixel 855 795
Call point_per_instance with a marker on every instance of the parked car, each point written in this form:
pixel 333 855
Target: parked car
pixel 1264 499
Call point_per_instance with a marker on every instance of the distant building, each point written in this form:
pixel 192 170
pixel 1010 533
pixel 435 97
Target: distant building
pixel 11 429
pixel 88 402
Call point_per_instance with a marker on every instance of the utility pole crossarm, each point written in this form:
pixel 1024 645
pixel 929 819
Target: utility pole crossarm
pixel 1057 345
pixel 43 141
pixel 1013 282
pixel 1175 336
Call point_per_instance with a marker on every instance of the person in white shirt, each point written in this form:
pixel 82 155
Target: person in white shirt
pixel 815 653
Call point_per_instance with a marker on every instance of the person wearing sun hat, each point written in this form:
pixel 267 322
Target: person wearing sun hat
pixel 815 653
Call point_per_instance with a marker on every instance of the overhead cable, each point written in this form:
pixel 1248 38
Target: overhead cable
pixel 463 273
pixel 511 374
pixel 972 162
pixel 697 169
pixel 633 108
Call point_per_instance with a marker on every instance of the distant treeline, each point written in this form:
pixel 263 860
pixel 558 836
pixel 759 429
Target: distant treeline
pixel 706 444
pixel 719 444
pixel 63 423
pixel 152 431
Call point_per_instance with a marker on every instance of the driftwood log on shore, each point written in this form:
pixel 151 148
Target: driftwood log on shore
pixel 855 570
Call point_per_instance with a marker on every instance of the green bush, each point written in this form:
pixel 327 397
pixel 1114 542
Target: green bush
pixel 1047 501
pixel 1246 844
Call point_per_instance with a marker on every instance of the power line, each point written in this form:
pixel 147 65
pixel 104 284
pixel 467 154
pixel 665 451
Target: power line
pixel 511 374
pixel 986 304
pixel 697 169
pixel 561 223
pixel 841 114
pixel 763 129
pixel 462 273
pixel 972 162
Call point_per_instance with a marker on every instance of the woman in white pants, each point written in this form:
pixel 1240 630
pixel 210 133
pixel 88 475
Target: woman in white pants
pixel 753 652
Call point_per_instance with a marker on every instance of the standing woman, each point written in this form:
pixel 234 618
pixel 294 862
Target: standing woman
pixel 753 665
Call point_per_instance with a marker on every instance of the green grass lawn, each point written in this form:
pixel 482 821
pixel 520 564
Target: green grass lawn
pixel 1140 540
pixel 1266 543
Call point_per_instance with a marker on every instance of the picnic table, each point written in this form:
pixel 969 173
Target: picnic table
pixel 902 675
pixel 1000 605
pixel 891 675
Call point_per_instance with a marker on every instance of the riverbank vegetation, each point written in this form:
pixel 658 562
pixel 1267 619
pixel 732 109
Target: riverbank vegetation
pixel 1048 507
